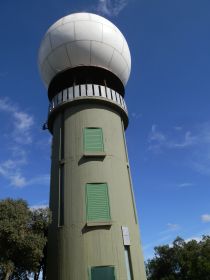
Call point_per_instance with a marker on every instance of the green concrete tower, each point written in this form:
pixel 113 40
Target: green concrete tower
pixel 85 63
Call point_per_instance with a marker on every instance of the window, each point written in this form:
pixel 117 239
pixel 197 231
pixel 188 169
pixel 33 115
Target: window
pixel 97 203
pixel 102 273
pixel 93 140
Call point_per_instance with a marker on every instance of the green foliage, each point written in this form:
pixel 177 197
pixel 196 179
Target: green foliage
pixel 22 239
pixel 181 261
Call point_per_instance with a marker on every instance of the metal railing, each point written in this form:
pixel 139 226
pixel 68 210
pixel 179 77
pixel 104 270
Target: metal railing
pixel 87 90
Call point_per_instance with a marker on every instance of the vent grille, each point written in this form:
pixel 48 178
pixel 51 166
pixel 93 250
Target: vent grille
pixel 97 202
pixel 93 140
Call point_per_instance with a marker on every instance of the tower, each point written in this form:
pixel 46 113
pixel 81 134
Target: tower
pixel 85 63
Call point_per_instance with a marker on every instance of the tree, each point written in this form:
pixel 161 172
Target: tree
pixel 41 219
pixel 181 261
pixel 22 239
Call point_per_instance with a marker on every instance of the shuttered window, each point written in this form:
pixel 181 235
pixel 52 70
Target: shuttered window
pixel 97 203
pixel 93 139
pixel 103 273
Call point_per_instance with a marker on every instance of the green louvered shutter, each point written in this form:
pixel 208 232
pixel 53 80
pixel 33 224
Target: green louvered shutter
pixel 93 139
pixel 103 273
pixel 97 200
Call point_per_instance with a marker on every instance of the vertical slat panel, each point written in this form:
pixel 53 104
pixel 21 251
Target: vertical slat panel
pixel 76 91
pixel 117 97
pixel 108 90
pixel 65 94
pixel 102 273
pixel 60 97
pixel 114 95
pixel 97 202
pixel 89 90
pixel 83 90
pixel 93 139
pixel 103 91
pixel 71 93
pixel 96 90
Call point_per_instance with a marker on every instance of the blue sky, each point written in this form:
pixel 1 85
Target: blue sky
pixel 168 97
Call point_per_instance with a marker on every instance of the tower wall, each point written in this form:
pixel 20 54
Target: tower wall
pixel 75 246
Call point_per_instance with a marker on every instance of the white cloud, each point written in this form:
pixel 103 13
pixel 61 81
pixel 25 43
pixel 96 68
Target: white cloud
pixel 38 206
pixel 13 168
pixel 39 180
pixel 157 242
pixel 156 135
pixel 201 165
pixel 136 115
pixel 178 128
pixel 164 237
pixel 159 140
pixel 200 159
pixel 18 153
pixel 168 239
pixel 196 238
pixel 205 218
pixel 18 181
pixel 9 165
pixel 149 247
pixel 173 227
pixel 111 7
pixel 6 106
pixel 188 140
pixel 194 142
pixel 156 139
pixel 22 122
pixel 10 170
pixel 186 184
pixel 6 166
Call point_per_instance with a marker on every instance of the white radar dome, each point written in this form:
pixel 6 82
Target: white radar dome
pixel 84 39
